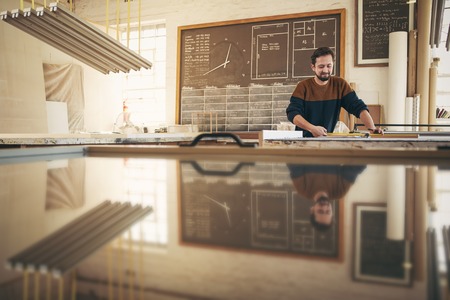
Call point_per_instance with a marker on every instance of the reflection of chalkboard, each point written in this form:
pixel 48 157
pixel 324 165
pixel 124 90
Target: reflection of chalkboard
pixel 376 19
pixel 252 211
pixel 245 70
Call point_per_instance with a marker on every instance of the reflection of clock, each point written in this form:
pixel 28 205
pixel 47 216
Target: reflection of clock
pixel 229 212
pixel 226 64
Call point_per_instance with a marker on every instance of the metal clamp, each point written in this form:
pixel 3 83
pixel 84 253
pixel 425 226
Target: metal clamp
pixel 216 136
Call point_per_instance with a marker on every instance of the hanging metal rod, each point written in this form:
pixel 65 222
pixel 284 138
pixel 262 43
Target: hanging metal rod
pixel 405 125
pixel 63 30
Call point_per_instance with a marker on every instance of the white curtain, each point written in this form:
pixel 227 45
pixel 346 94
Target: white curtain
pixel 65 186
pixel 64 83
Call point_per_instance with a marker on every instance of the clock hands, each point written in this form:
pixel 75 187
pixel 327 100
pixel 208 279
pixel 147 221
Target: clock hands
pixel 228 54
pixel 223 64
pixel 224 205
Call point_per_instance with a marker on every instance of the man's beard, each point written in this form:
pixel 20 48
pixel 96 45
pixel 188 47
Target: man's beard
pixel 323 78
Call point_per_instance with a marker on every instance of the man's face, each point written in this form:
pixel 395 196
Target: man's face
pixel 323 67
pixel 322 212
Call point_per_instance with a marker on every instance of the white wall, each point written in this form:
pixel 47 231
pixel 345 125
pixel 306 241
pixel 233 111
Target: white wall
pixel 22 94
pixel 22 91
pixel 102 95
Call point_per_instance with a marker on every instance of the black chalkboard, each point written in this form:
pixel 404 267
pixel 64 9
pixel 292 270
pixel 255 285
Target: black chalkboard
pixel 221 65
pixel 375 20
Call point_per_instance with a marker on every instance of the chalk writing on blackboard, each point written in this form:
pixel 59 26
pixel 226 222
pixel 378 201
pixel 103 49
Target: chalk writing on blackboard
pixel 269 41
pixel 254 53
pixel 307 35
pixel 376 19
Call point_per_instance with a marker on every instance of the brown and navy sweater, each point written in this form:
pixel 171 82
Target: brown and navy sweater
pixel 335 180
pixel 320 105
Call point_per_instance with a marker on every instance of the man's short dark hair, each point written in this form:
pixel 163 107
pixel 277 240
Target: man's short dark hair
pixel 322 51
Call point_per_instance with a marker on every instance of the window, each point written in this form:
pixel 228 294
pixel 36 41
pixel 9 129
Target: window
pixel 146 184
pixel 145 94
pixel 145 91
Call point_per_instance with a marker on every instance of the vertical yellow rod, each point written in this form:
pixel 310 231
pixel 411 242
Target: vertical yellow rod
pixel 107 16
pixel 210 122
pixel 431 188
pixel 71 5
pixel 117 19
pixel 21 4
pixel 128 25
pixel 32 4
pixel 36 285
pixel 120 267
pixel 421 215
pixel 74 285
pixel 130 266
pixel 139 28
pixel 433 93
pixel 423 58
pixel 110 271
pixel 45 3
pixel 61 288
pixel 49 286
pixel 141 262
pixel 25 285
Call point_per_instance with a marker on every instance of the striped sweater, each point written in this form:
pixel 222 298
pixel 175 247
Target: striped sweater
pixel 320 105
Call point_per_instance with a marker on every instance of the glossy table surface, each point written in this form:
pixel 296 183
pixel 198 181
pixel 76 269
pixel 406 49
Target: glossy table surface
pixel 223 223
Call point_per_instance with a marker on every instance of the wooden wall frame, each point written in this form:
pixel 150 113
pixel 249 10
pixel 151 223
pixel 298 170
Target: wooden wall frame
pixel 224 66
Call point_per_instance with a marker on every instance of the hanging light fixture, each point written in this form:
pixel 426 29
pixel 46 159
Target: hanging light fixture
pixel 63 30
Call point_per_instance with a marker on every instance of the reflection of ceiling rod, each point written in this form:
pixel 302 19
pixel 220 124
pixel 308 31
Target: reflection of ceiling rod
pixel 447 43
pixel 65 248
pixel 63 30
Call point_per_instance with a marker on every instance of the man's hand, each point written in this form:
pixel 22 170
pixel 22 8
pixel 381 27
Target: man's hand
pixel 318 131
pixel 376 130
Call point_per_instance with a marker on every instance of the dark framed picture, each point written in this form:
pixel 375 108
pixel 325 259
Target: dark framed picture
pixel 374 21
pixel 375 257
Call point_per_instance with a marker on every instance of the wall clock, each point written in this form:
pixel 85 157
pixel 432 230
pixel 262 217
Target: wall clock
pixel 226 63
